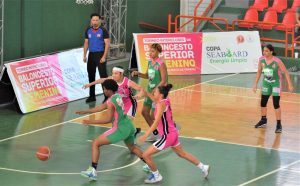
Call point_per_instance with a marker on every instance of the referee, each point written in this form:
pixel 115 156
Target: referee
pixel 97 42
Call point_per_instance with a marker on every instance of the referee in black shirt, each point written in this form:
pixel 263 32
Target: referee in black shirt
pixel 97 42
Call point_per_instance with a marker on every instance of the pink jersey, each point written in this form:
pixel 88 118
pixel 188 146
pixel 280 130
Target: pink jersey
pixel 166 125
pixel 167 130
pixel 129 101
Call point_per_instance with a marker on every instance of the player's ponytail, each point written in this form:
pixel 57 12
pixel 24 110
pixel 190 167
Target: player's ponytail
pixel 165 89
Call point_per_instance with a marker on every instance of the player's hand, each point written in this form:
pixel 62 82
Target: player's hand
pixel 142 139
pixel 154 90
pixel 254 88
pixel 84 59
pixel 102 60
pixel 134 73
pixel 291 88
pixel 140 94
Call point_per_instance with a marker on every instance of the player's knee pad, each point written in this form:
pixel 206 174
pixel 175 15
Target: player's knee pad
pixel 276 100
pixel 264 100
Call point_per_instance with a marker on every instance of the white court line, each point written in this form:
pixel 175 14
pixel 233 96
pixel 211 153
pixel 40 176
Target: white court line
pixel 215 140
pixel 72 173
pixel 239 144
pixel 246 88
pixel 58 124
pixel 232 95
pixel 269 173
pixel 204 82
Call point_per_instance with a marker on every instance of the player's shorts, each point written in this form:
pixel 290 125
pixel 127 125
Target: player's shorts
pixel 124 132
pixel 166 141
pixel 271 88
pixel 130 109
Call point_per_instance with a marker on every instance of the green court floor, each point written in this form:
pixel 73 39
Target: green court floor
pixel 69 142
pixel 232 164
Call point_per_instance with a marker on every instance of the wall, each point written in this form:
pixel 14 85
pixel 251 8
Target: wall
pixel 35 27
pixel 150 11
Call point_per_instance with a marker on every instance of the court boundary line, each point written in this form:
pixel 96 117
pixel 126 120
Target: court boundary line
pixel 232 95
pixel 249 88
pixel 238 144
pixel 68 121
pixel 212 140
pixel 269 173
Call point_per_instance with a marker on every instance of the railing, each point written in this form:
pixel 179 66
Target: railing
pixel 152 26
pixel 208 8
pixel 297 39
pixel 192 18
pixel 288 31
pixel 178 28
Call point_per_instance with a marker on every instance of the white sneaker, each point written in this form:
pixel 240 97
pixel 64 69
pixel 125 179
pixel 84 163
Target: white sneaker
pixel 153 138
pixel 205 171
pixel 153 179
pixel 146 168
pixel 90 173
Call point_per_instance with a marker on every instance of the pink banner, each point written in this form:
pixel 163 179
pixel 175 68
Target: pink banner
pixel 39 82
pixel 182 52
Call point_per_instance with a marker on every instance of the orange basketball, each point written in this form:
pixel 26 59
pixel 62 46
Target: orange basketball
pixel 43 153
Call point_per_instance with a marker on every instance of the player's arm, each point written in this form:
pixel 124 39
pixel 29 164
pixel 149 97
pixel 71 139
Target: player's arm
pixel 139 74
pixel 137 88
pixel 148 94
pixel 105 119
pixel 287 76
pixel 258 74
pixel 98 81
pixel 163 75
pixel 160 109
pixel 93 110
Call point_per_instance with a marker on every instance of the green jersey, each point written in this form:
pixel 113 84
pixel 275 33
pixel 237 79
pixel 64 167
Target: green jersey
pixel 271 71
pixel 117 102
pixel 154 75
pixel 272 77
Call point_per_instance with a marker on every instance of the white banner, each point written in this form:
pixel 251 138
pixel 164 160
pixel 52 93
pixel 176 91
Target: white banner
pixel 230 52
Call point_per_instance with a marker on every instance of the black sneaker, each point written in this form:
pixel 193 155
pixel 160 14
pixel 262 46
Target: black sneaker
pixel 90 99
pixel 261 124
pixel 278 129
pixel 137 131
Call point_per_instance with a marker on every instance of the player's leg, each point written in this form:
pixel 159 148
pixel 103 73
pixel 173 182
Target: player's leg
pixel 130 110
pixel 266 92
pixel 276 104
pixel 96 149
pixel 154 173
pixel 189 157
